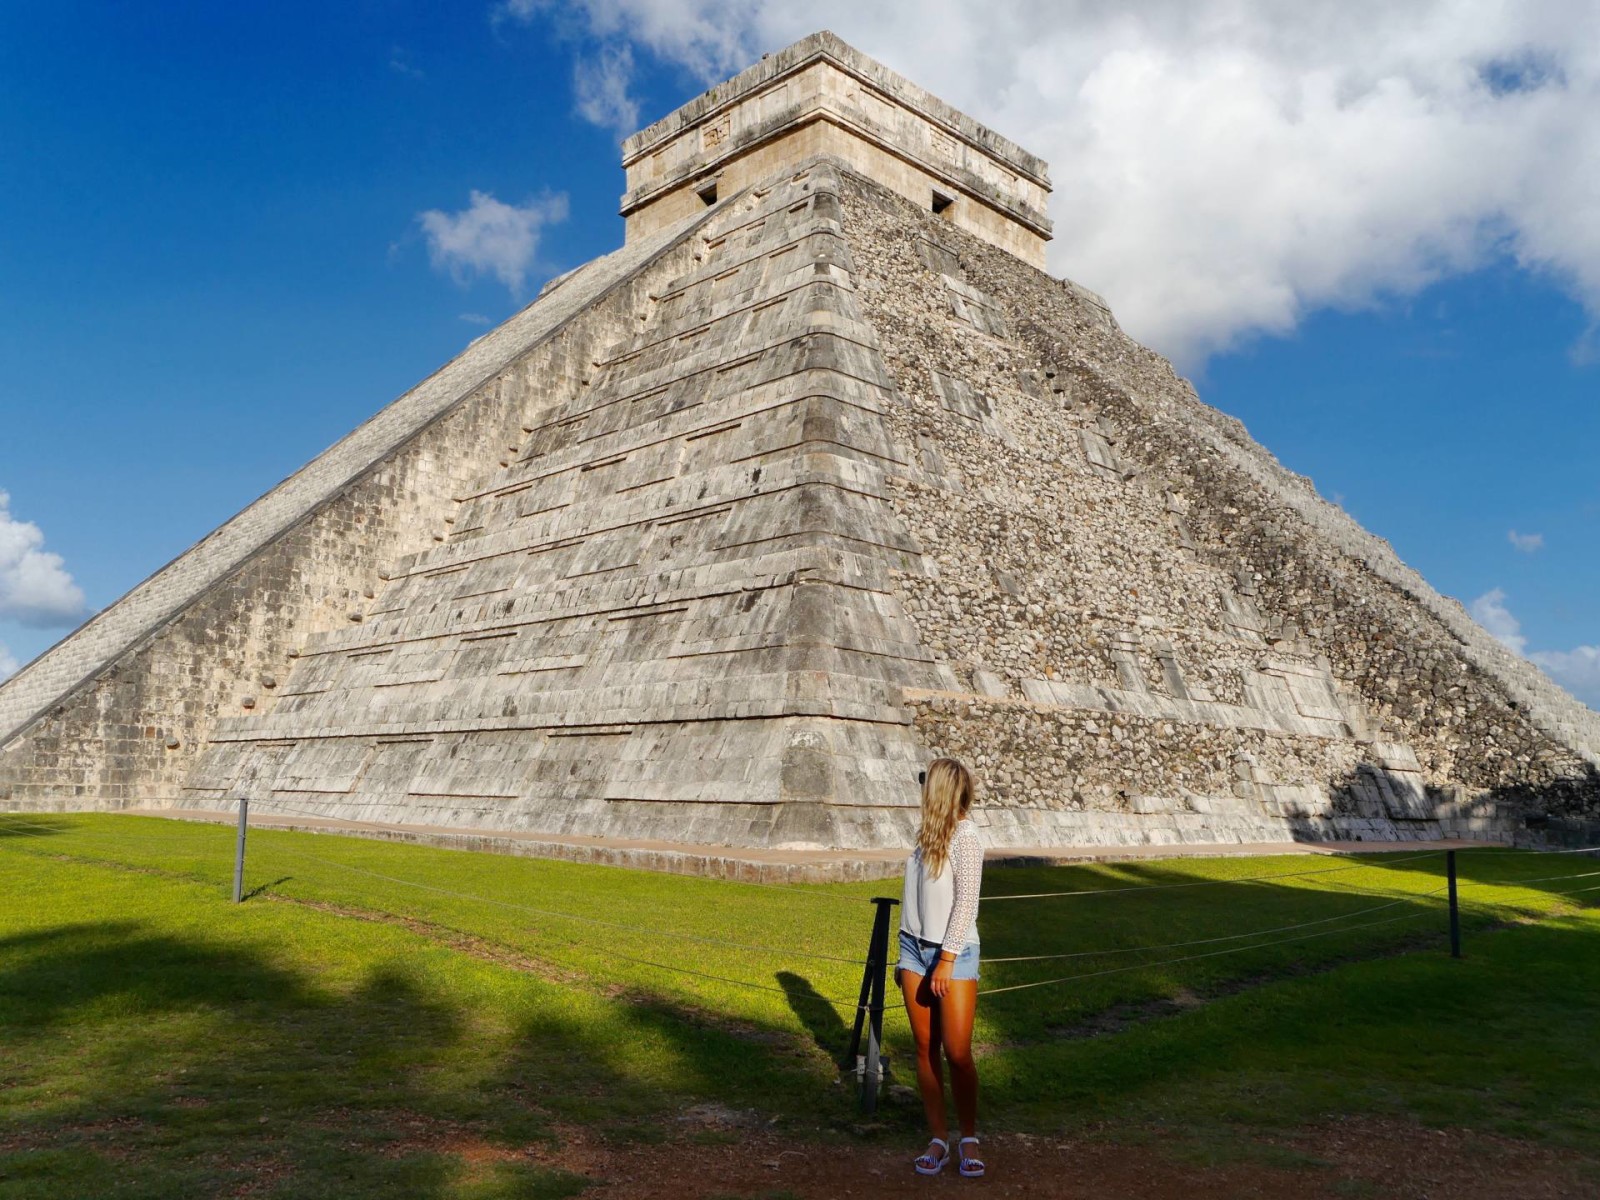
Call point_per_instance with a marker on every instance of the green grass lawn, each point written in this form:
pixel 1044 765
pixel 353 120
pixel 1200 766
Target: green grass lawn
pixel 377 1013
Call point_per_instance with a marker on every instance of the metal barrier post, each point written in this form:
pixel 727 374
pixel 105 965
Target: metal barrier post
pixel 1455 908
pixel 238 859
pixel 869 1008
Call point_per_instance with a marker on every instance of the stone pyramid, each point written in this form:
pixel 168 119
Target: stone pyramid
pixel 820 474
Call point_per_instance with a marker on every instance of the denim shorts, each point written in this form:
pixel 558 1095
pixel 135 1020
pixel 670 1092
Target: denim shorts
pixel 921 957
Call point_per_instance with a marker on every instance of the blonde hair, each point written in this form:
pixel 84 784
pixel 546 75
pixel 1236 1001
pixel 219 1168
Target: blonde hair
pixel 947 793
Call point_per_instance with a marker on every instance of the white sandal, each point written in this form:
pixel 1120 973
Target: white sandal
pixel 927 1164
pixel 972 1168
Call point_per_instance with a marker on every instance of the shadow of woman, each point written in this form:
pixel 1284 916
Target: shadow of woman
pixel 817 1013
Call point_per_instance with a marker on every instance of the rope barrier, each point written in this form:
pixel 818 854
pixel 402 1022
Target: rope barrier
pixel 565 916
pixel 1019 987
pixel 1159 887
pixel 390 827
pixel 393 828
pixel 1231 937
pixel 849 1005
pixel 18 828
pixel 870 1009
pixel 801 891
pixel 1537 879
pixel 1577 891
pixel 82 833
pixel 792 996
pixel 1536 850
pixel 79 835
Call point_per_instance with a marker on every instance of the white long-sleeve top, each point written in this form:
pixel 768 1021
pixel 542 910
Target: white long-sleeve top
pixel 944 908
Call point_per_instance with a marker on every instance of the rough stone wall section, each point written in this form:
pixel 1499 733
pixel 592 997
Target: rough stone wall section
pixel 744 527
pixel 670 613
pixel 119 708
pixel 1084 777
pixel 1094 523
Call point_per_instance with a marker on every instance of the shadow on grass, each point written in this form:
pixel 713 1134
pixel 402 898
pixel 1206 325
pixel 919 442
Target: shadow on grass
pixel 630 1073
pixel 143 1064
pixel 1491 865
pixel 31 825
pixel 1494 1041
pixel 1144 944
pixel 266 887
pixel 817 1014
pixel 1365 1012
pixel 140 1064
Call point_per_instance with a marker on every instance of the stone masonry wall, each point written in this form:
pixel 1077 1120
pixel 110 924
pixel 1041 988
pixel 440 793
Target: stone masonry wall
pixel 204 640
pixel 667 615
pixel 1094 522
pixel 1081 760
pixel 728 530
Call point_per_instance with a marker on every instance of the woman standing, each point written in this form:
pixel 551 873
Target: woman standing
pixel 938 968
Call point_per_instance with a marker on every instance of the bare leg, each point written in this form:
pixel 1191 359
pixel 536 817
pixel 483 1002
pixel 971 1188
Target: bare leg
pixel 955 1013
pixel 923 1011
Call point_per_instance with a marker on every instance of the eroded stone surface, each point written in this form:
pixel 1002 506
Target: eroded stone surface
pixel 1109 547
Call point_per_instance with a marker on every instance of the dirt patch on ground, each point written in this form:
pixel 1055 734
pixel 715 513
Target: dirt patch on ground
pixel 1341 1161
pixel 714 1153
pixel 419 1134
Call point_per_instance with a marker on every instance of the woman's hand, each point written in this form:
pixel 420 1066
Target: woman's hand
pixel 939 981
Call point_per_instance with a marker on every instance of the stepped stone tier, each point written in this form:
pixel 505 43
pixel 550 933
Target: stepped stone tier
pixel 729 531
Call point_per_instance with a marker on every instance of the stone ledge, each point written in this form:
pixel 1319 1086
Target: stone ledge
pixel 771 866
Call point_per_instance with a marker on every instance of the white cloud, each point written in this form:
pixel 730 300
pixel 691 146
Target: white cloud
pixel 1490 611
pixel 35 588
pixel 1526 542
pixel 1577 670
pixel 491 237
pixel 475 319
pixel 400 63
pixel 1222 167
pixel 8 664
pixel 600 84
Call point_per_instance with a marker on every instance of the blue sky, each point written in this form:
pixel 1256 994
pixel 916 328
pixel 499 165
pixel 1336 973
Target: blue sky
pixel 219 259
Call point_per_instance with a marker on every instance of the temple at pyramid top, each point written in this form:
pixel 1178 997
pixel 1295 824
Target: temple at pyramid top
pixel 821 96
